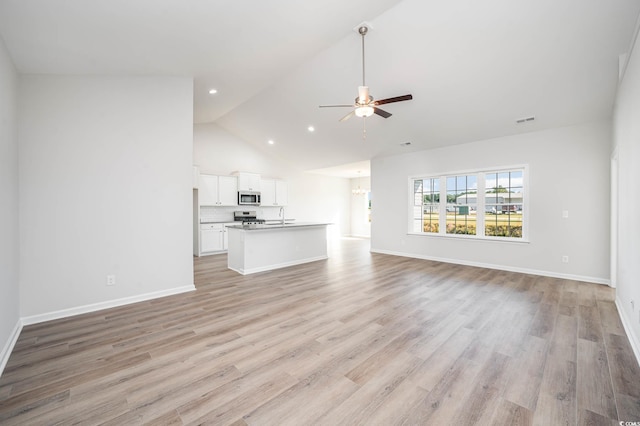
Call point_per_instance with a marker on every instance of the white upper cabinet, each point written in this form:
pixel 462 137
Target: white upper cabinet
pixel 248 181
pixel 274 192
pixel 268 193
pixel 282 193
pixel 218 190
pixel 208 190
pixel 228 190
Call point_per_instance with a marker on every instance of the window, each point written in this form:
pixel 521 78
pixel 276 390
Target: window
pixel 426 205
pixel 503 204
pixel 499 213
pixel 461 201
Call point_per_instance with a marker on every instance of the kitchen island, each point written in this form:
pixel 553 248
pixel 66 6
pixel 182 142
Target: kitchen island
pixel 261 247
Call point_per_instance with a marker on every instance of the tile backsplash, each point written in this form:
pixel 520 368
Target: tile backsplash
pixel 225 214
pixel 216 214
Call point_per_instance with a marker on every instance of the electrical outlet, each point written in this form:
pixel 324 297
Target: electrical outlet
pixel 565 214
pixel 565 259
pixel 111 280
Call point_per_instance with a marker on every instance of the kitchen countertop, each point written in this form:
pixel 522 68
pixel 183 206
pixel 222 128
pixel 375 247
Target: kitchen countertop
pixel 204 222
pixel 262 227
pixel 217 221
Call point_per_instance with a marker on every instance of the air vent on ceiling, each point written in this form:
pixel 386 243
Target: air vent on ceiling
pixel 405 144
pixel 525 120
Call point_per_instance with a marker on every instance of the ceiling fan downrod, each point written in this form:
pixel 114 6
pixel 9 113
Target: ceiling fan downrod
pixel 364 92
pixel 363 32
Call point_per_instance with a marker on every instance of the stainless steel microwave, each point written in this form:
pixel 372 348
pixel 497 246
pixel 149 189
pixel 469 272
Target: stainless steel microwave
pixel 248 198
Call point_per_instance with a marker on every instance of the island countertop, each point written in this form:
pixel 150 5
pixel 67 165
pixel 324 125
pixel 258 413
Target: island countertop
pixel 262 227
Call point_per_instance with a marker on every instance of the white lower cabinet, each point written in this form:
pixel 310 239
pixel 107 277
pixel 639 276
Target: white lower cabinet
pixel 211 237
pixel 214 237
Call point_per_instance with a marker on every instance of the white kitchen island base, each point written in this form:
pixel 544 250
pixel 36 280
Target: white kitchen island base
pixel 265 247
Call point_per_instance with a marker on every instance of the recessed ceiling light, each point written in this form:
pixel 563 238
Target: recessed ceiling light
pixel 311 128
pixel 213 91
pixel 270 142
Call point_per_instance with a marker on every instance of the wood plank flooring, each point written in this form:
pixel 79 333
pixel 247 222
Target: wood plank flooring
pixel 359 338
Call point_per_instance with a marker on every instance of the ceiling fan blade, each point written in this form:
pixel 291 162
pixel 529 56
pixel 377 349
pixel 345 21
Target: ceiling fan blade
pixel 395 99
pixel 336 106
pixel 381 113
pixel 348 116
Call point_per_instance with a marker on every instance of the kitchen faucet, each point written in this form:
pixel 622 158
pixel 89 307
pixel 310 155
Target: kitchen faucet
pixel 281 213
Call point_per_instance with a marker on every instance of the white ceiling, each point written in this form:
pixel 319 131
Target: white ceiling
pixel 472 67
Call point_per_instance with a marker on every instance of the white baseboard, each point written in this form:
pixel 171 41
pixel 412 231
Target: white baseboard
pixel 34 319
pixel 8 347
pixel 594 280
pixel 626 323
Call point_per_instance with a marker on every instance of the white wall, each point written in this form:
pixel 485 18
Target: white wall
pixel 9 289
pixel 360 225
pixel 311 197
pixel 568 170
pixel 105 188
pixel 627 143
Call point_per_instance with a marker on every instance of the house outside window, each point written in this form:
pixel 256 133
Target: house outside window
pixel 499 214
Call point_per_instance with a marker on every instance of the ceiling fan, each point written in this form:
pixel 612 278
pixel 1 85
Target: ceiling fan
pixel 365 105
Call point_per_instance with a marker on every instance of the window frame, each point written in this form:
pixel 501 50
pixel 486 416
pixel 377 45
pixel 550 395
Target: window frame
pixel 480 204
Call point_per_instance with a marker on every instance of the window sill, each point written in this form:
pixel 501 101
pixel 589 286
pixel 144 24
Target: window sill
pixel 472 238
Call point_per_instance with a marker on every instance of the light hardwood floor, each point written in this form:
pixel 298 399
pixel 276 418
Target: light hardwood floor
pixel 357 339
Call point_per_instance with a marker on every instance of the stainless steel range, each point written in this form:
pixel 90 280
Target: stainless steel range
pixel 247 217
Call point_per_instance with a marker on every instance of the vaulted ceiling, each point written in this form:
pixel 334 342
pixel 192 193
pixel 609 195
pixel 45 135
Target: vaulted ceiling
pixel 473 68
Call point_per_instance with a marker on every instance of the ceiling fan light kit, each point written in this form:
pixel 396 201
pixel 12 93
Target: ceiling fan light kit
pixel 364 111
pixel 364 105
